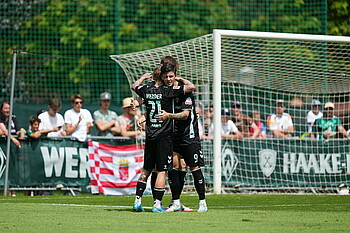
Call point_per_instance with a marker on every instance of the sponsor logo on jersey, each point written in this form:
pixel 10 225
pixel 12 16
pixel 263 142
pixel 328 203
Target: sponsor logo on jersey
pixel 154 96
pixel 176 87
pixel 188 101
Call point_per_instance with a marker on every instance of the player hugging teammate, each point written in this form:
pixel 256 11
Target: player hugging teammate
pixel 167 139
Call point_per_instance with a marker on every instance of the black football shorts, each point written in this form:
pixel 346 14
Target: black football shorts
pixel 158 154
pixel 191 152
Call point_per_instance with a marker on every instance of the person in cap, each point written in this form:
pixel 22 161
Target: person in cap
pixel 243 121
pixel 228 127
pixel 127 120
pixel 327 126
pixel 280 123
pixel 313 114
pixel 106 121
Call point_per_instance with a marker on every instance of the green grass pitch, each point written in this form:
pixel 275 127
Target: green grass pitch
pixel 227 213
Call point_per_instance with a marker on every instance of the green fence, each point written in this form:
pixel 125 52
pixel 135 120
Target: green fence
pixel 68 43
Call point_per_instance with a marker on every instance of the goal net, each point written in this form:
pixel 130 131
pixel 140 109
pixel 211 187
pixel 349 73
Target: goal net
pixel 267 83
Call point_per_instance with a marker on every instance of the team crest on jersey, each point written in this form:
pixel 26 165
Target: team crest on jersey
pixel 177 87
pixel 188 101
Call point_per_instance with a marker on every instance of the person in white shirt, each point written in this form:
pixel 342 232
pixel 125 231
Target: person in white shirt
pixel 313 114
pixel 52 119
pixel 78 120
pixel 280 123
pixel 228 128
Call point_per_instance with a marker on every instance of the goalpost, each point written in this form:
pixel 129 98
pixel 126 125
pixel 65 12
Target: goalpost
pixel 257 69
pixel 283 38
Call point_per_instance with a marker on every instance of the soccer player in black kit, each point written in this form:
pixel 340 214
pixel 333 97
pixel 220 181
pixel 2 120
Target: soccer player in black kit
pixel 159 134
pixel 186 145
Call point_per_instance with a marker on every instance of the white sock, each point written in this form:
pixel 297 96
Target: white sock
pixel 157 204
pixel 176 202
pixel 138 199
pixel 202 202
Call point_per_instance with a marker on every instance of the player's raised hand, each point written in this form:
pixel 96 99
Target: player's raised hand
pixel 146 76
pixel 179 79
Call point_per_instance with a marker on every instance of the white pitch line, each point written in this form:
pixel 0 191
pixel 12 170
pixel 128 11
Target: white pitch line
pixel 286 205
pixel 215 207
pixel 74 205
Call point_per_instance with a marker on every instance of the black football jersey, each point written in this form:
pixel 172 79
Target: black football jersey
pixel 186 129
pixel 156 99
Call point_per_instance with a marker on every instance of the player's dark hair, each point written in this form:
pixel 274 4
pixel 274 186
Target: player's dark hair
pixel 169 60
pixel 33 119
pixel 156 73
pixel 166 68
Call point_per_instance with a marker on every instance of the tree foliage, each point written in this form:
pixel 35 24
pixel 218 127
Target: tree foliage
pixel 338 17
pixel 78 35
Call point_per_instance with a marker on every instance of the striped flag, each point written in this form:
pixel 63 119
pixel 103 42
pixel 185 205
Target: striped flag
pixel 114 170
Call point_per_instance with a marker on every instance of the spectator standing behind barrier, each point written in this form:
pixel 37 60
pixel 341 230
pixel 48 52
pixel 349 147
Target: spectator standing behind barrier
pixel 261 126
pixel 202 128
pixel 208 119
pixel 35 132
pixel 127 120
pixel 328 125
pixel 280 123
pixel 78 120
pixel 15 128
pixel 106 121
pixel 51 119
pixel 4 122
pixel 243 122
pixel 313 114
pixel 228 128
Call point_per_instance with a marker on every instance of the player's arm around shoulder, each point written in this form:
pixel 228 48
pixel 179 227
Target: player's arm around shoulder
pixel 188 86
pixel 138 82
pixel 175 116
